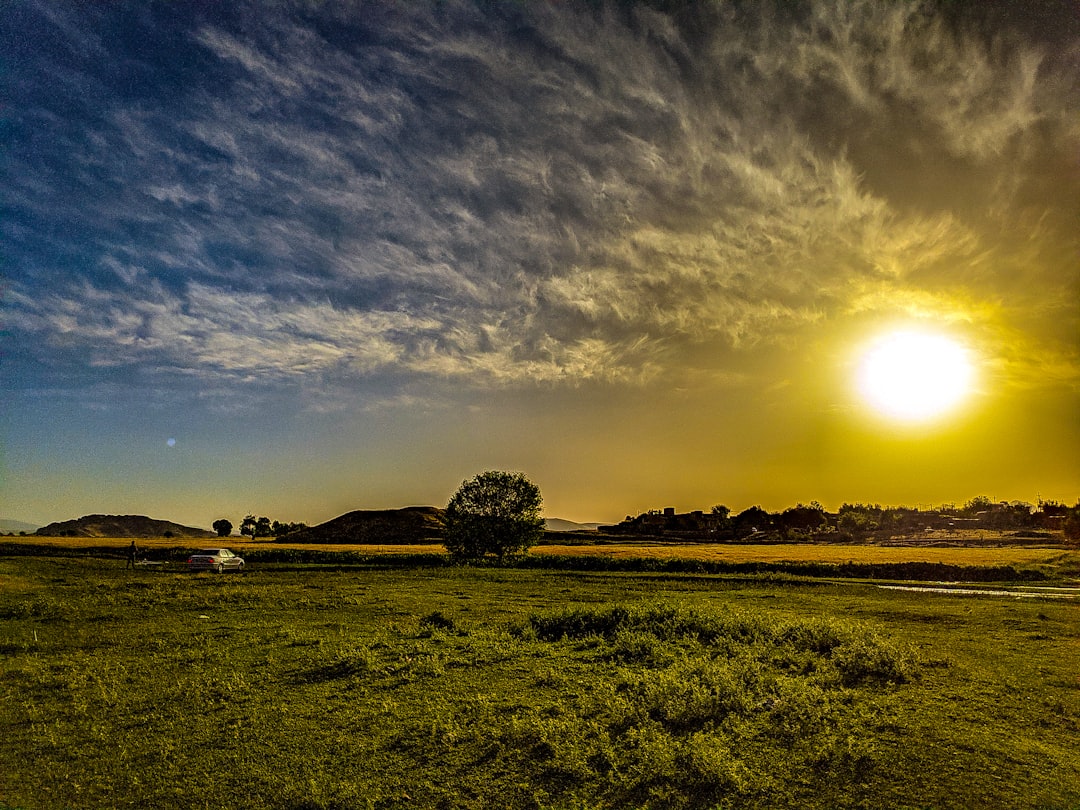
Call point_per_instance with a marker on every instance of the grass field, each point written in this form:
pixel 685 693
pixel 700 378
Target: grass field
pixel 793 552
pixel 475 688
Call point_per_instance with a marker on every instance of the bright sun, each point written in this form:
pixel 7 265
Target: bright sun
pixel 915 376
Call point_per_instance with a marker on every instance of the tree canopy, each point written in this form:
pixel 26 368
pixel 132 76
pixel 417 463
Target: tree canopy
pixel 255 527
pixel 280 529
pixel 496 513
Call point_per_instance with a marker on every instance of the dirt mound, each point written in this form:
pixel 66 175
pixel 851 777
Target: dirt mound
pixel 413 524
pixel 120 526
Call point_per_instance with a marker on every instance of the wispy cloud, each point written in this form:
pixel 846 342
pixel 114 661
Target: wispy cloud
pixel 537 193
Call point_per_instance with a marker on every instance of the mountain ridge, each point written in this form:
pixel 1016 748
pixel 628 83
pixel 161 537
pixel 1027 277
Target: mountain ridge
pixel 9 525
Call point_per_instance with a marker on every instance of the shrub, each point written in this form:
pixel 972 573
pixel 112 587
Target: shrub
pixel 695 693
pixel 868 658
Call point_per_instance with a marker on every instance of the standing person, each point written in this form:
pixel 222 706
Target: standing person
pixel 131 552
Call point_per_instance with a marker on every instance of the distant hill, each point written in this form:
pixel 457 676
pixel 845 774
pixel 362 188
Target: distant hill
pixel 411 525
pixel 120 526
pixel 7 525
pixel 560 525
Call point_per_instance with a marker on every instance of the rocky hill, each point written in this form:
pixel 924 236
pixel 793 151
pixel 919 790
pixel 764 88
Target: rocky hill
pixel 413 524
pixel 120 526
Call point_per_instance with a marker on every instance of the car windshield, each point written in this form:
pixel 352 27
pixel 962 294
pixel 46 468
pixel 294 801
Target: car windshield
pixel 209 552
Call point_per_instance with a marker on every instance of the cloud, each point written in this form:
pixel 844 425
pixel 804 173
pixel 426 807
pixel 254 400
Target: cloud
pixel 530 194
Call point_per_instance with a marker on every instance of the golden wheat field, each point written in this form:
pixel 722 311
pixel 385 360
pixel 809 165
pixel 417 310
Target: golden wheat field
pixel 818 553
pixel 825 553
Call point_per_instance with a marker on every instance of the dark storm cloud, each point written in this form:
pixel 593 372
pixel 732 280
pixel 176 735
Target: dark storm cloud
pixel 532 192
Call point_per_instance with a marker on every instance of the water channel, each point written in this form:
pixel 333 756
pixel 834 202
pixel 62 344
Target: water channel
pixel 1019 593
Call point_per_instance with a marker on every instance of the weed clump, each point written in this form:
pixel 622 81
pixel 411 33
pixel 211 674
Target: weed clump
pixel 712 707
pixel 436 621
pixel 637 634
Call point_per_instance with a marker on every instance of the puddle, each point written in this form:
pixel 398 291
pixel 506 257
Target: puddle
pixel 1038 592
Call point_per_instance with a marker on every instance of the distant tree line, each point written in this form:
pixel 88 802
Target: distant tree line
pixel 861 520
pixel 853 521
pixel 255 527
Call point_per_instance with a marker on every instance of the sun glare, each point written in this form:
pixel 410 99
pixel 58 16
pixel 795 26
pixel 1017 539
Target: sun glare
pixel 915 376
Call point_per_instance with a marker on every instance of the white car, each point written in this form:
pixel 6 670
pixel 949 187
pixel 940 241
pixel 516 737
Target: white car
pixel 215 559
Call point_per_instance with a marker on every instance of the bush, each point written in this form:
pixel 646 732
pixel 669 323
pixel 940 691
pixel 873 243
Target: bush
pixel 637 633
pixel 1072 524
pixel 867 658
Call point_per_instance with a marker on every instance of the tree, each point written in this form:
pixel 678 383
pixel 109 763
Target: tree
pixel 980 503
pixel 279 529
pixel 223 527
pixel 803 517
pixel 1071 526
pixel 255 527
pixel 494 513
pixel 721 521
pixel 752 520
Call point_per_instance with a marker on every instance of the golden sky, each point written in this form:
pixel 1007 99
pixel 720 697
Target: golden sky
pixel 302 260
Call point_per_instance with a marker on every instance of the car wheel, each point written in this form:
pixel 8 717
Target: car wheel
pixel 240 568
pixel 220 567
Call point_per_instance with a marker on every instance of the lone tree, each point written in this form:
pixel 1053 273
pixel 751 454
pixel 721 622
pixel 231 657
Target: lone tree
pixel 494 513
pixel 223 527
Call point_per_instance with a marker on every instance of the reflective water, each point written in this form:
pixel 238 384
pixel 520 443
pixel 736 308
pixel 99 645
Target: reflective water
pixel 1022 592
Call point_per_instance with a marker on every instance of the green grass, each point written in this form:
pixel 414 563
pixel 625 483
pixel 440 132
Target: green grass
pixel 440 687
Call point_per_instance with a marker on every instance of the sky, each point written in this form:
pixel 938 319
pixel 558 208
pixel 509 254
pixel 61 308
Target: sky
pixel 299 258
